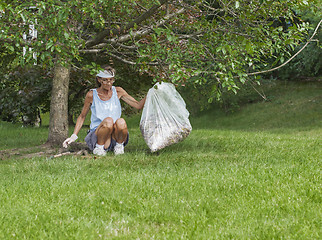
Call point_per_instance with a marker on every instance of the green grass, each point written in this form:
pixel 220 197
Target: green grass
pixel 253 174
pixel 17 136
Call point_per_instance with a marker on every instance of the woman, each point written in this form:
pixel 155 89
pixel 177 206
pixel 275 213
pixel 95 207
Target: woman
pixel 108 131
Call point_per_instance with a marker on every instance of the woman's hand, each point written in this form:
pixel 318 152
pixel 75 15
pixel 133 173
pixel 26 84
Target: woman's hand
pixel 68 141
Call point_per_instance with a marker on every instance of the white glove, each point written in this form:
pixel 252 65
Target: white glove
pixel 68 141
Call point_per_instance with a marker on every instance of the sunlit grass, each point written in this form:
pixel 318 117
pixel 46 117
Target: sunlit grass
pixel 228 180
pixel 264 187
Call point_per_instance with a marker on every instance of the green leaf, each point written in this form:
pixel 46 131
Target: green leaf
pixel 49 45
pixel 170 37
pixel 223 50
pixel 158 31
pixel 23 17
pixel 66 35
pixel 282 59
pixel 249 48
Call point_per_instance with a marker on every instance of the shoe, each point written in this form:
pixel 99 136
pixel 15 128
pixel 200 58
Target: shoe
pixel 99 151
pixel 119 149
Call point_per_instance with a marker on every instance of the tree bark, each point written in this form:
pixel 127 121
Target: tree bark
pixel 58 122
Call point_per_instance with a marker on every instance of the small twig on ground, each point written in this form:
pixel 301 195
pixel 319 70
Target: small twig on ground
pixel 81 152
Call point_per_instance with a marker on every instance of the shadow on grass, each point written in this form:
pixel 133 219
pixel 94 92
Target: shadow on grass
pixel 294 109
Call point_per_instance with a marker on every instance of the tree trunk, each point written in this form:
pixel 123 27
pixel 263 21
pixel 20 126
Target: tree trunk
pixel 58 123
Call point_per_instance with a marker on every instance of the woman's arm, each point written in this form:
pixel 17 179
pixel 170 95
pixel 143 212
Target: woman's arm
pixel 81 118
pixel 122 94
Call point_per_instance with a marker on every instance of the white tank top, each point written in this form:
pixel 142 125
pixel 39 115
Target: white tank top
pixel 102 109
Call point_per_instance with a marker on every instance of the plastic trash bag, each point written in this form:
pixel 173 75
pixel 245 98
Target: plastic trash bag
pixel 165 119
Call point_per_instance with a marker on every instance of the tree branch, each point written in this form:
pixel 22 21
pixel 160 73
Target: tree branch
pixel 129 62
pixel 141 32
pixel 100 36
pixel 115 56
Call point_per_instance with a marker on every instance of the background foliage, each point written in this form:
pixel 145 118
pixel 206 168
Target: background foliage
pixel 308 64
pixel 23 94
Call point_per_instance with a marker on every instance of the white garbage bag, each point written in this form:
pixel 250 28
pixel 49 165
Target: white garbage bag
pixel 165 119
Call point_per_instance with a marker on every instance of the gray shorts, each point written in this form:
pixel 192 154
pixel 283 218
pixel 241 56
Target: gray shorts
pixel 91 140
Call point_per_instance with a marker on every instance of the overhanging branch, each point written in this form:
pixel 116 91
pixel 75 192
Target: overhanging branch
pixel 307 43
pixel 139 33
pixel 100 36
pixel 128 61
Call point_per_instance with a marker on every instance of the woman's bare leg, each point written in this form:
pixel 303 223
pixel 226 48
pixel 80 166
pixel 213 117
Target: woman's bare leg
pixel 120 130
pixel 104 132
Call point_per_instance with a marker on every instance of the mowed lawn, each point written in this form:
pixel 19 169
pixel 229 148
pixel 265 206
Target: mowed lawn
pixel 252 174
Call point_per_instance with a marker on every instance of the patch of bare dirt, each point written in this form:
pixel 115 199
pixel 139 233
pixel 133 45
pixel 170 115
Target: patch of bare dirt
pixel 45 150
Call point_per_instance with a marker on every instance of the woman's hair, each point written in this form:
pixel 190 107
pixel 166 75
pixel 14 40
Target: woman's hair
pixel 107 68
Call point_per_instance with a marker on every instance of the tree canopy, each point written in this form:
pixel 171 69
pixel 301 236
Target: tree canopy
pixel 171 40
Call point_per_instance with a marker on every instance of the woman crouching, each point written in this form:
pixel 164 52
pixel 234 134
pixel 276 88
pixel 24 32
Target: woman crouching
pixel 108 131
